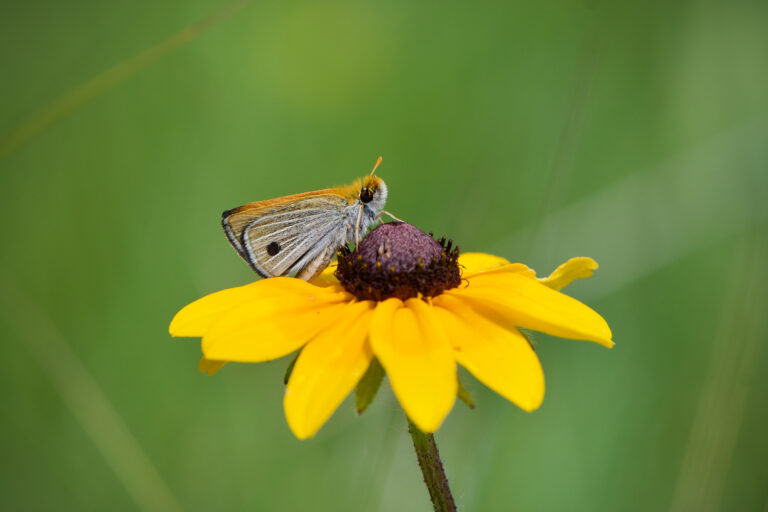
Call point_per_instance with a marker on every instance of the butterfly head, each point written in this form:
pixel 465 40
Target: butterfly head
pixel 373 193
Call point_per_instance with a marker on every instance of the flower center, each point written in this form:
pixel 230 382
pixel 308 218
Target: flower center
pixel 399 260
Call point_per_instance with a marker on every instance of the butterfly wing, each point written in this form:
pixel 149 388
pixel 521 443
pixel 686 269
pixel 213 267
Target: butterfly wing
pixel 278 238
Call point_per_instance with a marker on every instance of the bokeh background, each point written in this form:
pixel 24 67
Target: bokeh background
pixel 635 133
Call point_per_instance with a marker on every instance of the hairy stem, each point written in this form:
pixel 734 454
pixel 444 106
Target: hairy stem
pixel 432 469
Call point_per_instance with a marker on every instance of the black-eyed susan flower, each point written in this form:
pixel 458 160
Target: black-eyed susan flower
pixel 411 302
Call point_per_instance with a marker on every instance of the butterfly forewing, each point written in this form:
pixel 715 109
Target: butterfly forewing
pixel 281 239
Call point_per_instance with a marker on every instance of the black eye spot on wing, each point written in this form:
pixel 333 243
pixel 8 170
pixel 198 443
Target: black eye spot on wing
pixel 366 195
pixel 273 248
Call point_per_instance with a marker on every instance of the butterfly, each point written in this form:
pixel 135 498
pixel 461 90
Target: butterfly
pixel 300 234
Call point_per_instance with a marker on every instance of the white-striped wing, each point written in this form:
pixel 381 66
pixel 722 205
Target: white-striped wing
pixel 285 239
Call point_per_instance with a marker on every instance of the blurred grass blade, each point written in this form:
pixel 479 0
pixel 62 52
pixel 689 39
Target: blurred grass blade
pixel 72 100
pixel 87 402
pixel 673 214
pixel 559 169
pixel 715 431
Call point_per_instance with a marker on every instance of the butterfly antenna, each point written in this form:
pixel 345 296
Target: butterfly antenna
pixel 375 166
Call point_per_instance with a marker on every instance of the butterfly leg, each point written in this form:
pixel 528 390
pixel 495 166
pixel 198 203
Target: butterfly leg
pixel 393 217
pixel 357 226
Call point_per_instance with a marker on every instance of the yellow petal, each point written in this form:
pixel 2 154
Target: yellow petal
pixel 326 277
pixel 327 369
pixel 500 358
pixel 472 263
pixel 517 300
pixel 208 366
pixel 565 274
pixel 273 325
pixel 413 349
pixel 196 318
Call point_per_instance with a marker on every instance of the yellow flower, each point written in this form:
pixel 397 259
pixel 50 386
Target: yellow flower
pixel 418 339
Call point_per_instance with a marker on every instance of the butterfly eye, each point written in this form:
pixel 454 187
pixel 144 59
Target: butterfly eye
pixel 366 195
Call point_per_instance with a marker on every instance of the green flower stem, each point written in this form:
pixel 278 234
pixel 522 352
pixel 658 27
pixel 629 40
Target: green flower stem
pixel 432 469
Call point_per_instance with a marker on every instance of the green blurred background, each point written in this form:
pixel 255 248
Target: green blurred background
pixel 633 133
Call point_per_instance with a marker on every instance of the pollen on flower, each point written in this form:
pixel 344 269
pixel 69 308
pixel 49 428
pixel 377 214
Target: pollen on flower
pixel 399 260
